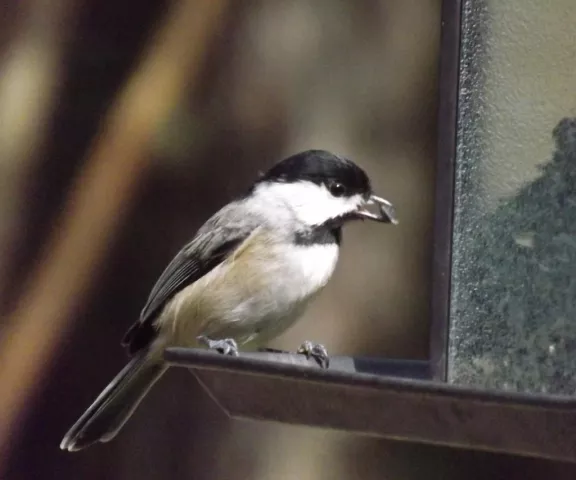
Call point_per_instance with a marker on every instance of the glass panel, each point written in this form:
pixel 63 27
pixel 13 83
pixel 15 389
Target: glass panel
pixel 513 301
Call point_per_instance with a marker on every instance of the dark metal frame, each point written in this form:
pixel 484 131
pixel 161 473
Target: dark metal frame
pixel 358 398
pixel 444 200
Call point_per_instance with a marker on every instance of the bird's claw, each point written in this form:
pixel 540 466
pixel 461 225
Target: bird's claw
pixel 225 346
pixel 317 351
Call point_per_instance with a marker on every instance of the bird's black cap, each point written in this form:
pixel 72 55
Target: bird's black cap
pixel 320 167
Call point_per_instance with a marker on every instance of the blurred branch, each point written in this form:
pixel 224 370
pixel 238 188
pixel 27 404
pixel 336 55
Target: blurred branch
pixel 28 89
pixel 100 197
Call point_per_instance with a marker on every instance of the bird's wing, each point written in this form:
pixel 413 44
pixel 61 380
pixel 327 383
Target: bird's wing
pixel 200 256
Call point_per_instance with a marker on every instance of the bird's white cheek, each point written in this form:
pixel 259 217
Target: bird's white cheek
pixel 312 204
pixel 325 207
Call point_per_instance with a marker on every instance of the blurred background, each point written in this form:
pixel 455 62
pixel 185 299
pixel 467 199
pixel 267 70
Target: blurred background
pixel 124 125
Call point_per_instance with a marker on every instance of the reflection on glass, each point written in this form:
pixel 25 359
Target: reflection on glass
pixel 513 305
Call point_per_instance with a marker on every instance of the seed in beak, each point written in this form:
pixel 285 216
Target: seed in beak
pixel 385 213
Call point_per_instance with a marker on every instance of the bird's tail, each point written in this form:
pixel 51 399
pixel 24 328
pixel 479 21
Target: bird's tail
pixel 114 406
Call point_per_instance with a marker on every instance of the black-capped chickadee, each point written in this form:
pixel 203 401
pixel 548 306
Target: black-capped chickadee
pixel 246 276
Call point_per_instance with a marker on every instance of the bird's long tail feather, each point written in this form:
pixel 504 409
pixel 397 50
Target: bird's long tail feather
pixel 110 411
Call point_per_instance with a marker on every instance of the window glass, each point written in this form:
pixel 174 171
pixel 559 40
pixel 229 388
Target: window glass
pixel 513 297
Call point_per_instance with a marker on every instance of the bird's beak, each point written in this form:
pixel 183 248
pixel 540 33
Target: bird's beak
pixel 385 212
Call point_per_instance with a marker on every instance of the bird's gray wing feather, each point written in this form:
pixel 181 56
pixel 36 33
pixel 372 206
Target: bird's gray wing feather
pixel 213 243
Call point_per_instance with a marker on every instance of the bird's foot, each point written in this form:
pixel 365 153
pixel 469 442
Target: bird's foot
pixel 316 351
pixel 225 346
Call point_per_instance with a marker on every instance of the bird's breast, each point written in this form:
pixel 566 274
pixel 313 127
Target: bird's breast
pixel 256 294
pixel 307 267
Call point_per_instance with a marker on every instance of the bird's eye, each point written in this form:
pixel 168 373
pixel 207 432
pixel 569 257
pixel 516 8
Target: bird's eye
pixel 336 189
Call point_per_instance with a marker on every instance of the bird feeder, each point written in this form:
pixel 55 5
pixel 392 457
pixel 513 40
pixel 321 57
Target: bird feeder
pixel 502 368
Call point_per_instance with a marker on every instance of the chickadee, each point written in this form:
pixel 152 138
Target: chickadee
pixel 246 276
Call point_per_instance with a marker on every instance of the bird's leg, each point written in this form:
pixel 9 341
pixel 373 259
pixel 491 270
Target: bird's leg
pixel 225 346
pixel 316 351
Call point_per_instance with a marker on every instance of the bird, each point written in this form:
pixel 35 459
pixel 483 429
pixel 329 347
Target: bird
pixel 245 277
